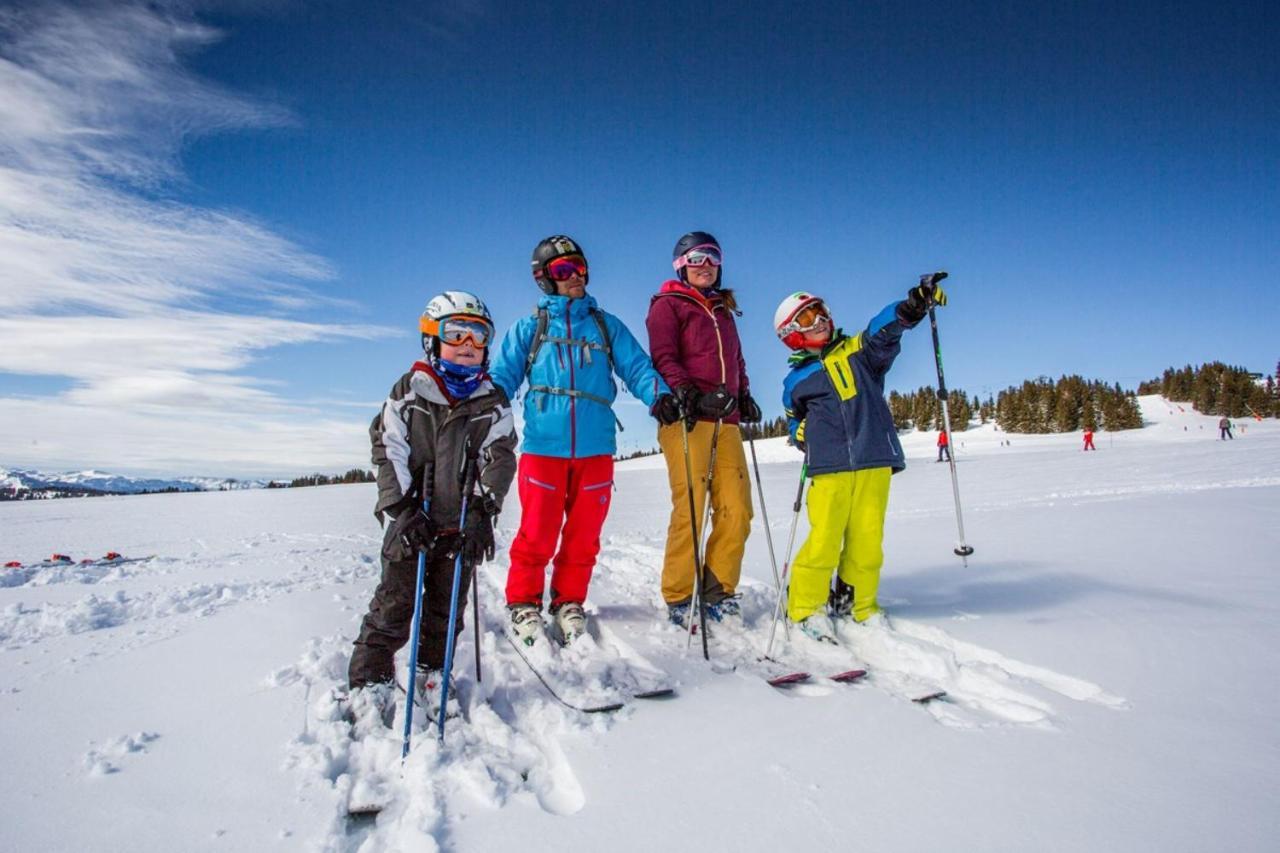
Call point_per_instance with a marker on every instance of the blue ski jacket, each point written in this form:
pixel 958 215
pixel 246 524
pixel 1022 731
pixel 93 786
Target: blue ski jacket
pixel 568 407
pixel 834 400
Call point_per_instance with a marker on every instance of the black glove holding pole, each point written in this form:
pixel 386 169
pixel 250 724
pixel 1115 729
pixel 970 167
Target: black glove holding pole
pixel 749 409
pixel 717 404
pixel 687 400
pixel 921 298
pixel 477 535
pixel 411 526
pixel 666 409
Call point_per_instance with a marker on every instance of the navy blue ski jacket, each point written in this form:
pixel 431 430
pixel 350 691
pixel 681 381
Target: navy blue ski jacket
pixel 834 400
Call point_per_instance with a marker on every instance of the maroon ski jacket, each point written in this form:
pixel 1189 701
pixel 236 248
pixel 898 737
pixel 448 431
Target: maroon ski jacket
pixel 694 341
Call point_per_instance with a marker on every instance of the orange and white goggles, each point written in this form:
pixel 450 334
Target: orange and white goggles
pixel 457 329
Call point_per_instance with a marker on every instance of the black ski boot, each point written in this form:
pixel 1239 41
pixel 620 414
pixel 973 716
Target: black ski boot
pixel 840 601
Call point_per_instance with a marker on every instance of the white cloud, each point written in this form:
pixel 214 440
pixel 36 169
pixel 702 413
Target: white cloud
pixel 109 283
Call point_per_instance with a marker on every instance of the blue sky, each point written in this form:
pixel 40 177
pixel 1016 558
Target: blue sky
pixel 217 226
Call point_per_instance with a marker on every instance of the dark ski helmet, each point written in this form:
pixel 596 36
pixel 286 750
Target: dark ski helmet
pixel 556 246
pixel 693 240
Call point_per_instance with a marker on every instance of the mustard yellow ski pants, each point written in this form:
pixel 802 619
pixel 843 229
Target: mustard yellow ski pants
pixel 846 533
pixel 731 511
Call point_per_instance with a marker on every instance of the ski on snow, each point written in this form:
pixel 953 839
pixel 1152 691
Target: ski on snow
pixel 657 692
pixel 800 677
pixel 919 693
pixel 111 559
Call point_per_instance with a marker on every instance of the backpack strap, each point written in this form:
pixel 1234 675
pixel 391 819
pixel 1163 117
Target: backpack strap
pixel 540 337
pixel 598 316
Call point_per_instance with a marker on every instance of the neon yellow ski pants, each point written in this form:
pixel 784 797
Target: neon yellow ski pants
pixel 846 533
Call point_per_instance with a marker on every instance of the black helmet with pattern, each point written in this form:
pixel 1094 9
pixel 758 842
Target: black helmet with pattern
pixel 556 246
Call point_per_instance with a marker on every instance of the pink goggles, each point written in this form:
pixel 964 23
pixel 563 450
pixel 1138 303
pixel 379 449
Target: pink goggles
pixel 698 256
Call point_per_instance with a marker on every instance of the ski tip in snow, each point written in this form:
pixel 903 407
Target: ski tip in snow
pixel 363 811
pixel 788 679
pixel 603 709
pixel 925 698
pixel 849 675
pixel 654 693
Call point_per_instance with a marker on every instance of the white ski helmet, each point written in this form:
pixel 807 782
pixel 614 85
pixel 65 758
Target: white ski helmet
pixel 451 303
pixel 784 319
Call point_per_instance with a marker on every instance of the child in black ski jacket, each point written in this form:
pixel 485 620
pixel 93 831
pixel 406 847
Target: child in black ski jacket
pixel 441 417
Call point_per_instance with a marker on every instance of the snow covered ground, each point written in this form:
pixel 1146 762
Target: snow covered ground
pixel 1109 655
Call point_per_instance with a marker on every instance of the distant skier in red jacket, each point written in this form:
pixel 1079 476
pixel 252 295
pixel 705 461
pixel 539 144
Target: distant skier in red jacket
pixel 943 445
pixel 1088 439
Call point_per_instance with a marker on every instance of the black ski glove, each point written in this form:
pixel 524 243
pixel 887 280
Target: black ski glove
pixel 687 400
pixel 413 527
pixel 717 404
pixel 666 409
pixel 921 298
pixel 749 409
pixel 477 535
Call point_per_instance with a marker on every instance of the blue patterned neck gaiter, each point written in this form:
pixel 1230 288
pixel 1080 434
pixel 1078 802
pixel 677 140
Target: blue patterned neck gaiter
pixel 462 380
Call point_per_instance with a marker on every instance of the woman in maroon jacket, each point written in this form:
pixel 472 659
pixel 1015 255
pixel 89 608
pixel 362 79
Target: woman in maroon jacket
pixel 694 344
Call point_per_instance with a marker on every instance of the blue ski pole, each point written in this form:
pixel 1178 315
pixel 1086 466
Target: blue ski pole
pixel 414 633
pixel 468 482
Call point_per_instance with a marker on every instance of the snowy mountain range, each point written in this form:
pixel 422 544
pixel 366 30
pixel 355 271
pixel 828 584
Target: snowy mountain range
pixel 14 482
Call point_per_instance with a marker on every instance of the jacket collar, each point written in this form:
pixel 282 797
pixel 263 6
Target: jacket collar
pixel 709 298
pixel 803 356
pixel 559 306
pixel 430 387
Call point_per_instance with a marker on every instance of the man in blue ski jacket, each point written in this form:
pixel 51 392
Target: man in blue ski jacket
pixel 569 350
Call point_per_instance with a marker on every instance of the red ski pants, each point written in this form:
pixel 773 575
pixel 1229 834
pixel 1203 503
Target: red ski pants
pixel 564 501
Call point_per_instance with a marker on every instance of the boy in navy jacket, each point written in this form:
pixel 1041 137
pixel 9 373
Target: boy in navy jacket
pixel 837 414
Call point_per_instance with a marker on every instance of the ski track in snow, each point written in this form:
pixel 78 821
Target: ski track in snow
pixel 976 504
pixel 513 743
pixel 506 746
pixel 22 626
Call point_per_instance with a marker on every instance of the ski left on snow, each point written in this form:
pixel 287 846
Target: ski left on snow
pixel 640 689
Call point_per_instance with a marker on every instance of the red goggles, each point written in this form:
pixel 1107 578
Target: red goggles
pixel 565 268
pixel 698 256
pixel 457 329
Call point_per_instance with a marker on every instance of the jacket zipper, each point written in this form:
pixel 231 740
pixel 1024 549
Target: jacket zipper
pixel 844 418
pixel 715 324
pixel 724 373
pixel 573 405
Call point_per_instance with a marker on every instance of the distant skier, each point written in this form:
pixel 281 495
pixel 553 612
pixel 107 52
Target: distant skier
pixel 569 350
pixel 836 412
pixel 695 346
pixel 440 414
pixel 1088 439
pixel 944 445
pixel 1224 430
